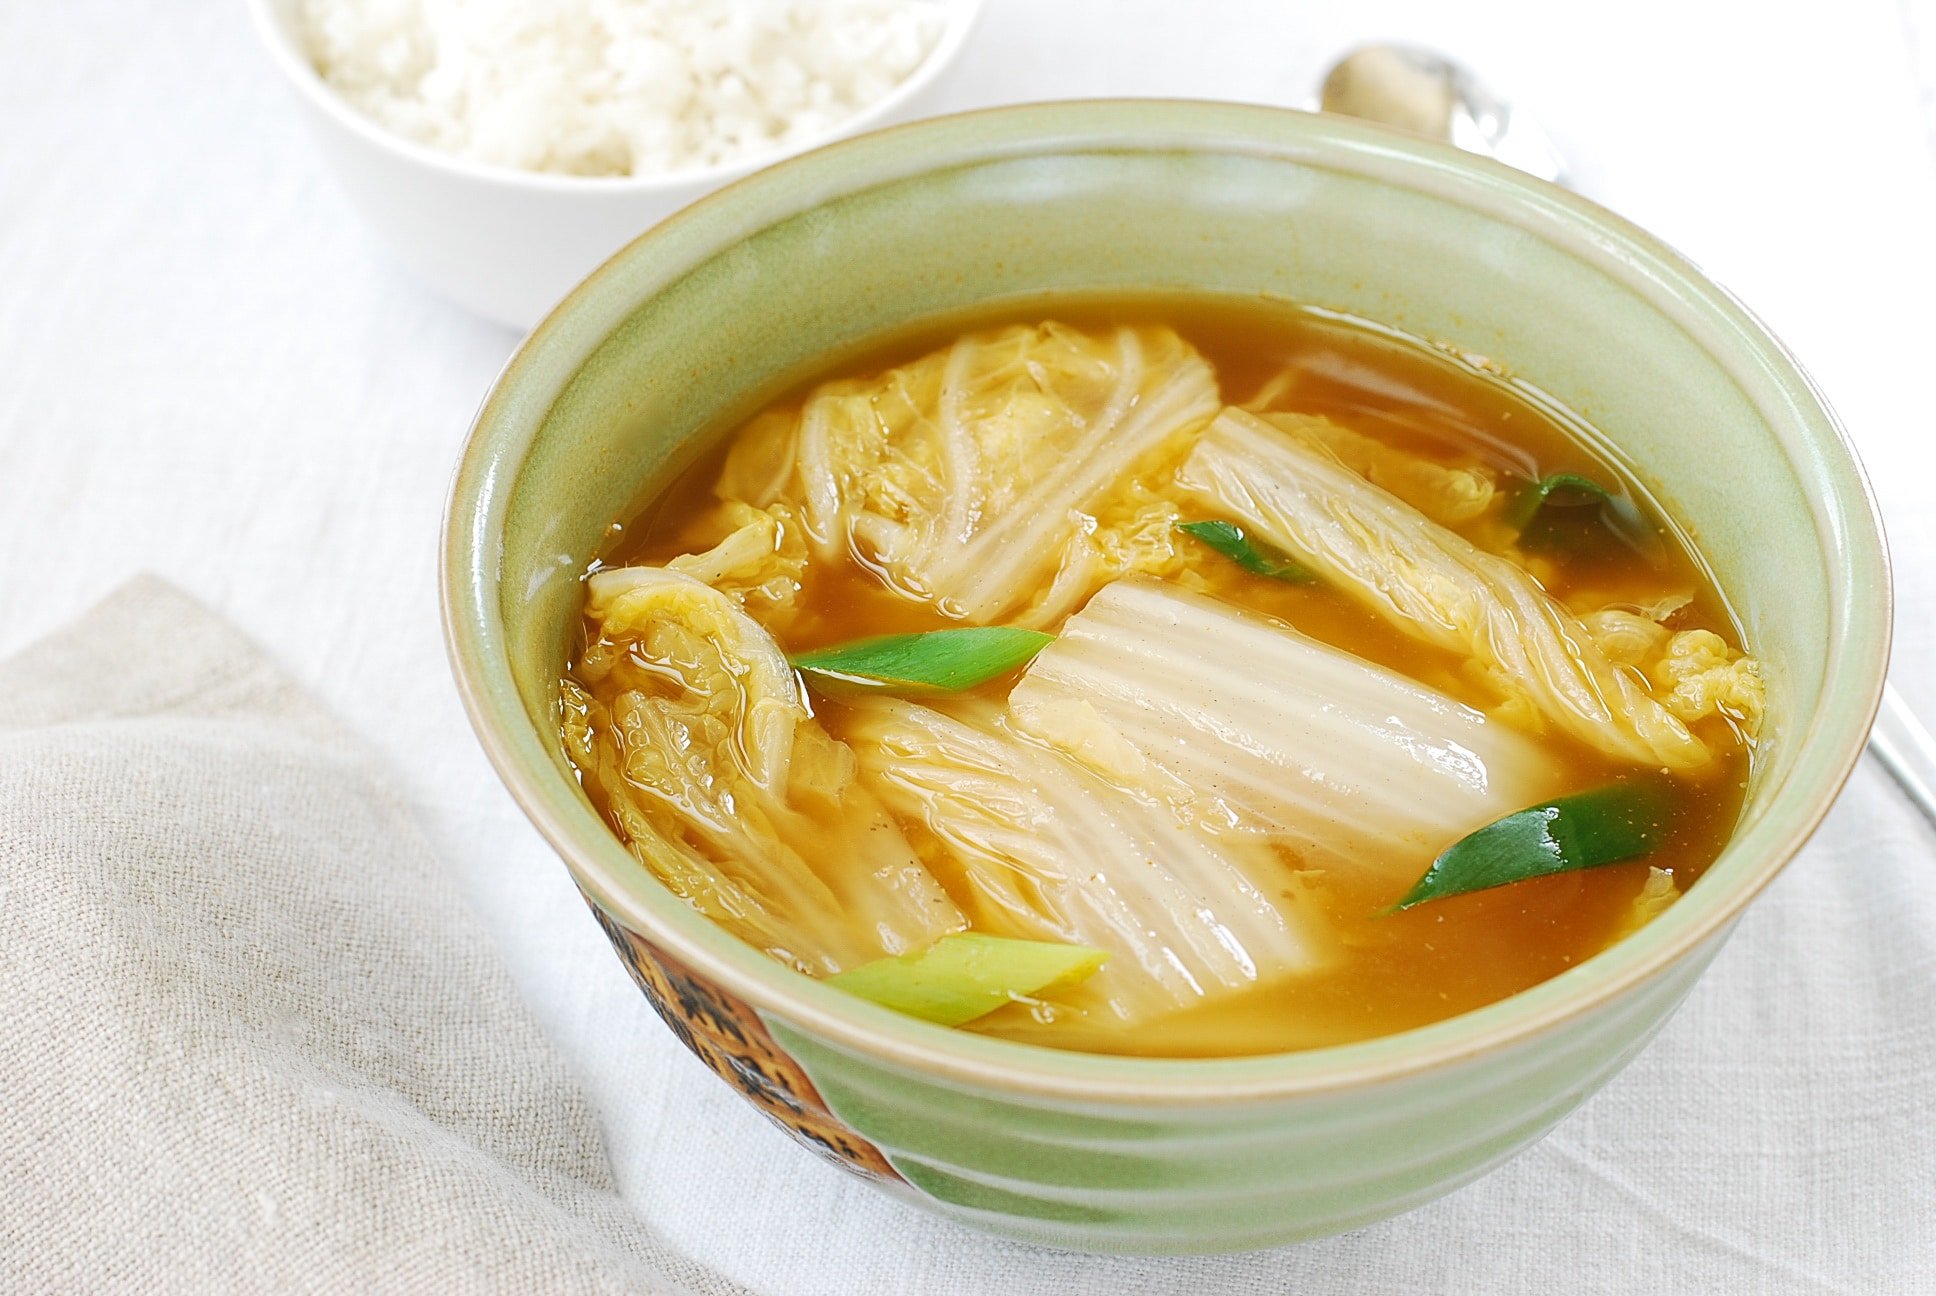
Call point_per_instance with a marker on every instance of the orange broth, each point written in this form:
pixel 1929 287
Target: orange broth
pixel 1399 970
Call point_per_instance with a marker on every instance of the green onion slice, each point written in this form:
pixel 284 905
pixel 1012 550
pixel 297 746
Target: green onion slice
pixel 1228 539
pixel 969 975
pixel 1582 831
pixel 940 660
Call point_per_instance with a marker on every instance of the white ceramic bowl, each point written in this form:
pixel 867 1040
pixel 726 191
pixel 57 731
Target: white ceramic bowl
pixel 507 243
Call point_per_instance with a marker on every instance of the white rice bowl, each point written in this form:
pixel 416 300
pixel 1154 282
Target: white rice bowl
pixel 615 87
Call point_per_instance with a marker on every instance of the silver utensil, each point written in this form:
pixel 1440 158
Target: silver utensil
pixel 1424 92
pixel 1902 742
pixel 1428 94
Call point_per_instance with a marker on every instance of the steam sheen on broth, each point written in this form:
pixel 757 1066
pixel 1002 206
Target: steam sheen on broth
pixel 1222 780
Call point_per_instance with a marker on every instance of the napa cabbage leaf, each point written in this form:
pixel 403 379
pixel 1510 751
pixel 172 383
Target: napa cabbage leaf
pixel 1697 675
pixel 1229 719
pixel 695 736
pixel 1002 478
pixel 1433 584
pixel 1442 492
pixel 1035 845
pixel 1657 895
pixel 759 559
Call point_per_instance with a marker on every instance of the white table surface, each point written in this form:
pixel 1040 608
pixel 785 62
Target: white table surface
pixel 208 370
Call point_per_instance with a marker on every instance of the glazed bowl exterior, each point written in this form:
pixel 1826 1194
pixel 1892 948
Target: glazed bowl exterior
pixel 508 244
pixel 694 324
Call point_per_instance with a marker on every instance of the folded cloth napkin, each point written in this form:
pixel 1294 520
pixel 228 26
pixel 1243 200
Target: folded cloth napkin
pixel 253 1040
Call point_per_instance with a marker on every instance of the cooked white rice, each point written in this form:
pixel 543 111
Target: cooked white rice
pixel 615 87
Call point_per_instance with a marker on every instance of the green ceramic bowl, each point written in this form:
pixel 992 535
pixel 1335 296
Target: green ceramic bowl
pixel 704 315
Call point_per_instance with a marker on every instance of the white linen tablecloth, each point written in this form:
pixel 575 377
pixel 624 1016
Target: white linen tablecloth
pixel 208 370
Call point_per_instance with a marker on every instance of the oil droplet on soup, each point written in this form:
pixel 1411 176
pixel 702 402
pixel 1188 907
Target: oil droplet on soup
pixel 919 493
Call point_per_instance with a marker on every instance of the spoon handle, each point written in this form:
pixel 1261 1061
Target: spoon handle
pixel 1904 746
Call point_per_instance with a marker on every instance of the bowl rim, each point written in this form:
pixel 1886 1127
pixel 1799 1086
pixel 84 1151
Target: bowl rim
pixel 1847 520
pixel 285 48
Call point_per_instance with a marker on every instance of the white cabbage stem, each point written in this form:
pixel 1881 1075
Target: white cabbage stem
pixel 1034 845
pixel 1230 719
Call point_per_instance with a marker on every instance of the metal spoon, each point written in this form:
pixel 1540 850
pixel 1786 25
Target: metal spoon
pixel 1428 94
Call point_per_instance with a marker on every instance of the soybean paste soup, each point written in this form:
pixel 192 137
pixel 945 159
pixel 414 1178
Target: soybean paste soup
pixel 1279 608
